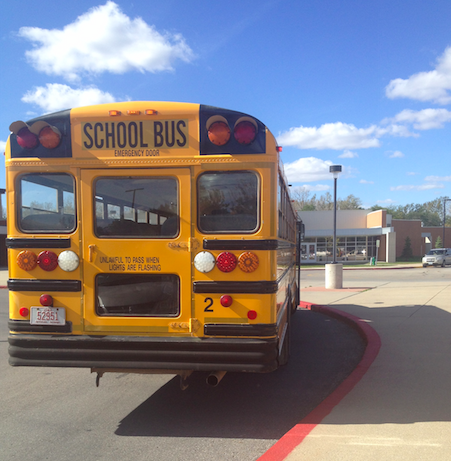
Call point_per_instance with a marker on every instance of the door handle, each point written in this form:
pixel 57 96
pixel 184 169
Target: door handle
pixel 191 245
pixel 91 249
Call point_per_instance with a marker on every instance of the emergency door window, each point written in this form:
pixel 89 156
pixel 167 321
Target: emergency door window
pixel 128 207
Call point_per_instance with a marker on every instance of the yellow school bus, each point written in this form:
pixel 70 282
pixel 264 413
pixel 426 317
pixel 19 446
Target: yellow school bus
pixel 149 237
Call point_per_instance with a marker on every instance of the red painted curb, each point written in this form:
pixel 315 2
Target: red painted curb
pixel 294 437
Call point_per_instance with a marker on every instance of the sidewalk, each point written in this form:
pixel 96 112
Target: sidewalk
pixel 379 265
pixel 3 277
pixel 400 407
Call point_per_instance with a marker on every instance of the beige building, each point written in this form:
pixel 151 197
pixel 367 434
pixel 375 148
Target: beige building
pixel 363 234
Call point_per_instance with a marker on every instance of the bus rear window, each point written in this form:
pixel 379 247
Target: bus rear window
pixel 228 202
pixel 46 203
pixel 142 295
pixel 128 207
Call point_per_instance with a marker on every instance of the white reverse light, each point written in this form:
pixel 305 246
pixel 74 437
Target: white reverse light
pixel 204 262
pixel 68 261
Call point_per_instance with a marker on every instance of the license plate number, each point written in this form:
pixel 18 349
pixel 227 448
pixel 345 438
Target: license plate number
pixel 48 316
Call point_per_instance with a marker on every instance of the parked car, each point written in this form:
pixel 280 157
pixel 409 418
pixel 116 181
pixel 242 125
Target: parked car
pixel 356 255
pixel 437 257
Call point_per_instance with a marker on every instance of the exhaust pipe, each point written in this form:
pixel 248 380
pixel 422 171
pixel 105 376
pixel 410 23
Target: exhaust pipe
pixel 215 377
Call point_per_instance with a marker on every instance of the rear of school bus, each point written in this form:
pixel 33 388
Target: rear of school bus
pixel 142 236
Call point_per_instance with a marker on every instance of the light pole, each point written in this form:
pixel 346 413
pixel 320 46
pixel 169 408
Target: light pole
pixel 335 170
pixel 334 271
pixel 445 199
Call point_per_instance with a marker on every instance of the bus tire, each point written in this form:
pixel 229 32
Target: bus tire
pixel 284 354
pixel 296 299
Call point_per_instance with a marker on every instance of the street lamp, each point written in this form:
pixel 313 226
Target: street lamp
pixel 335 170
pixel 334 271
pixel 445 199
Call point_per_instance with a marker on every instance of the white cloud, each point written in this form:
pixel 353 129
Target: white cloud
pixel 308 169
pixel 2 147
pixel 418 188
pixel 314 188
pixel 104 40
pixel 337 136
pixel 364 181
pixel 411 173
pixel 396 154
pixel 387 201
pixel 395 129
pixel 348 154
pixel 425 86
pixel 438 178
pixel 346 136
pixel 54 97
pixel 426 119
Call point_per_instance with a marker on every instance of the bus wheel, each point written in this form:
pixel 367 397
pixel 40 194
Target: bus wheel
pixel 284 354
pixel 296 299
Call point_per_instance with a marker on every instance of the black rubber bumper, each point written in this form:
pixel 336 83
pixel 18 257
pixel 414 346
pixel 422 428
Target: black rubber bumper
pixel 131 352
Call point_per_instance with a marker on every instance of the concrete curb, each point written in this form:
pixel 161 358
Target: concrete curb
pixel 365 268
pixel 294 437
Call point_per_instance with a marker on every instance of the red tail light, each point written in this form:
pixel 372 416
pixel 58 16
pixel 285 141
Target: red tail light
pixel 46 300
pixel 219 133
pixel 48 260
pixel 245 132
pixel 251 315
pixel 27 139
pixel 226 300
pixel 24 312
pixel 226 261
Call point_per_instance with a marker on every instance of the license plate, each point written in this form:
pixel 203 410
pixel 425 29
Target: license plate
pixel 48 316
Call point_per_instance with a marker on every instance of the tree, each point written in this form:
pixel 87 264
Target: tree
pixel 351 202
pixel 438 242
pixel 407 250
pixel 430 213
pixel 302 199
pixel 325 202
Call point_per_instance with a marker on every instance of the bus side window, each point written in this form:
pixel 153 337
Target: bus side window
pixel 48 222
pixel 46 202
pixel 228 202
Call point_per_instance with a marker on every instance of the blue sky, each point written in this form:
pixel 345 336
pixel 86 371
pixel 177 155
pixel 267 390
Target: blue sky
pixel 364 84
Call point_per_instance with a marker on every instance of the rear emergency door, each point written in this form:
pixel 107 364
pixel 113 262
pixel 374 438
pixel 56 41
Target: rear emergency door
pixel 136 259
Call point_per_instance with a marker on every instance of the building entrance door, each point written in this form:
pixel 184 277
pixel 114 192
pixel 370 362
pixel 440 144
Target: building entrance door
pixel 308 252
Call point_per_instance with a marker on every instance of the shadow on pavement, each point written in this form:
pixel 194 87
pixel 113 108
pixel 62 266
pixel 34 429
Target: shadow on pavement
pixel 257 406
